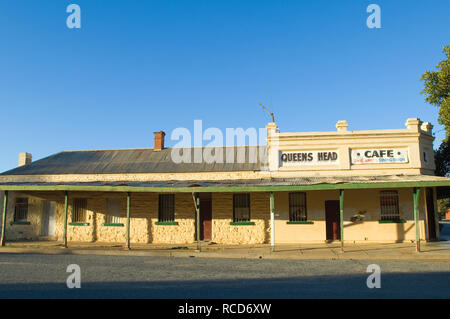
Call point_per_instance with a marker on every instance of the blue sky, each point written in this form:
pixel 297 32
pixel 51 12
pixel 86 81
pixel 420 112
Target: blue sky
pixel 136 67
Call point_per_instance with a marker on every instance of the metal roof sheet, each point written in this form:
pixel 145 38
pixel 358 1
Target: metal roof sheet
pixel 138 161
pixel 298 181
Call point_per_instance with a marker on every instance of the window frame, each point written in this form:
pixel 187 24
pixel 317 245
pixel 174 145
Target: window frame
pixel 113 217
pixel 248 202
pixel 291 207
pixel 394 213
pixel 79 208
pixel 17 205
pixel 166 216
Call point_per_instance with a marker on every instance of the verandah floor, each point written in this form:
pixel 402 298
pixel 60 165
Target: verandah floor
pixel 366 251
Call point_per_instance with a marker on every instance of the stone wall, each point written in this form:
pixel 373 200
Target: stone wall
pixel 222 216
pixel 144 218
pixel 24 232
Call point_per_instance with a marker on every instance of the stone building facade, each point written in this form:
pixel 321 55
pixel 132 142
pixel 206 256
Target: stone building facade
pixel 354 186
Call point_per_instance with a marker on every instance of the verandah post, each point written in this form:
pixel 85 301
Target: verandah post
pixel 272 222
pixel 128 221
pixel 416 193
pixel 197 207
pixel 341 215
pixel 5 206
pixel 66 206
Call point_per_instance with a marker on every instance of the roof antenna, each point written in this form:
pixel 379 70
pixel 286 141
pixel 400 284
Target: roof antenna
pixel 271 114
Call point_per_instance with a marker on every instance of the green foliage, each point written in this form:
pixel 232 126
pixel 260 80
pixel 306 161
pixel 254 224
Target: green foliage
pixel 442 159
pixel 437 89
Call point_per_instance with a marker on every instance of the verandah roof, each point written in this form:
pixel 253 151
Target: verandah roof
pixel 249 185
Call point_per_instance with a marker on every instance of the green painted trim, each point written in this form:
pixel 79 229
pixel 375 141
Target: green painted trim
pixel 230 189
pixel 272 221
pixel 20 223
pixel 400 221
pixel 416 193
pixel 127 239
pixel 306 222
pixel 5 206
pixel 113 224
pixel 78 224
pixel 242 223
pixel 66 208
pixel 197 211
pixel 167 223
pixel 341 216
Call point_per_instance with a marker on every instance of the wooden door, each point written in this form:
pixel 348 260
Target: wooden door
pixel 205 219
pixel 430 215
pixel 332 220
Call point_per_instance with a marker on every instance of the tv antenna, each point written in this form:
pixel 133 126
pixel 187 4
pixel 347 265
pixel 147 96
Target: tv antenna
pixel 271 114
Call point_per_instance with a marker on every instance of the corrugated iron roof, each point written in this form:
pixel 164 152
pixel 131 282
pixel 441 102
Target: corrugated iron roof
pixel 138 161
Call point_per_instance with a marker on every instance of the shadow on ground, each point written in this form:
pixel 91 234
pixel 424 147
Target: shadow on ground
pixel 393 285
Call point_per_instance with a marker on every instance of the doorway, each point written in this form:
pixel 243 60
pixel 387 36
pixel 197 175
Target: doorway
pixel 431 221
pixel 48 218
pixel 332 220
pixel 205 216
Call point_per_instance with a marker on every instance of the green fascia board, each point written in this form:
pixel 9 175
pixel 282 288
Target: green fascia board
pixel 232 189
pixel 20 223
pixel 400 221
pixel 167 223
pixel 78 224
pixel 242 223
pixel 306 222
pixel 113 224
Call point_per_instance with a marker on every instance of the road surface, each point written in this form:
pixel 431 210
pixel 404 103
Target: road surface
pixel 45 276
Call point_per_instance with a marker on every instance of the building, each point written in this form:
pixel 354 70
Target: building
pixel 307 187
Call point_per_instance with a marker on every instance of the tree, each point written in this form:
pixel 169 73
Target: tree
pixel 437 89
pixel 442 158
pixel 437 92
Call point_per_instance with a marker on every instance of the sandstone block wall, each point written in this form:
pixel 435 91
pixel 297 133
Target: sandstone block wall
pixel 222 216
pixel 28 232
pixel 144 218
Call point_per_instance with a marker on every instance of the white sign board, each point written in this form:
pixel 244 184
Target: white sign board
pixel 379 156
pixel 308 158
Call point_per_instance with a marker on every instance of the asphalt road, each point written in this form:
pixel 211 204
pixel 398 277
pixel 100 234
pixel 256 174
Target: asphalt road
pixel 44 276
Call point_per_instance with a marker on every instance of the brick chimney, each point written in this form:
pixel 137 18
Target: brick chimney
pixel 159 140
pixel 25 159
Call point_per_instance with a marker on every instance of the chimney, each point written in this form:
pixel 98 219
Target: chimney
pixel 159 140
pixel 25 159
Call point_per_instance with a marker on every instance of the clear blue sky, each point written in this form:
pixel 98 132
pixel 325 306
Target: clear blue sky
pixel 136 67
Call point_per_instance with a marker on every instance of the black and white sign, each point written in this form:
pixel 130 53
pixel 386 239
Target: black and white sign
pixel 308 158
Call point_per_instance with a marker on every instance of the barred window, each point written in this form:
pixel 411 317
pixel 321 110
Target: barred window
pixel 241 207
pixel 21 210
pixel 166 211
pixel 79 210
pixel 297 207
pixel 389 205
pixel 113 209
